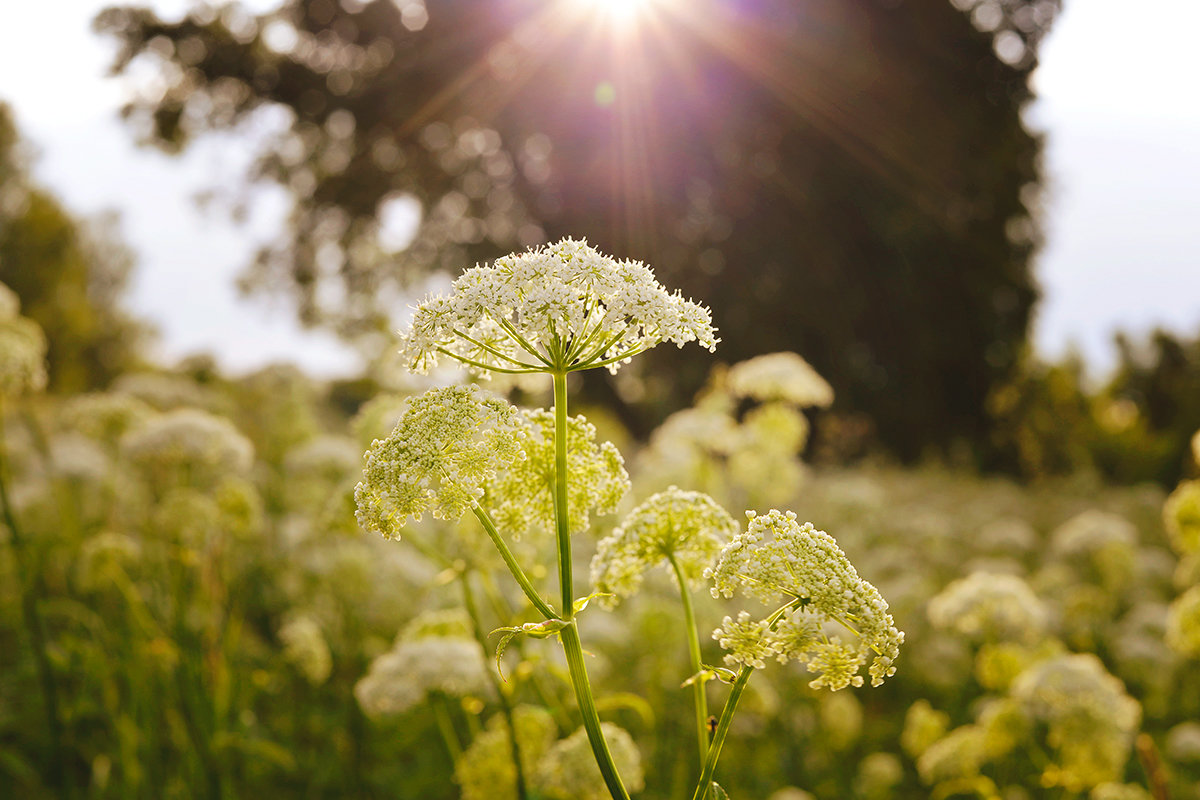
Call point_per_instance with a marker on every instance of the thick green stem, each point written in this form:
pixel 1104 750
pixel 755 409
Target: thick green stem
pixel 714 749
pixel 515 568
pixel 501 691
pixel 561 520
pixel 587 709
pixel 699 697
pixel 569 635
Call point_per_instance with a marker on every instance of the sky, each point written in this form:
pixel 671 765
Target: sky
pixel 1117 102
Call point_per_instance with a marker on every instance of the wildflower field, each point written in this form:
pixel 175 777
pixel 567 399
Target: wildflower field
pixel 456 587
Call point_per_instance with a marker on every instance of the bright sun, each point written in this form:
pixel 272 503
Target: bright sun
pixel 624 11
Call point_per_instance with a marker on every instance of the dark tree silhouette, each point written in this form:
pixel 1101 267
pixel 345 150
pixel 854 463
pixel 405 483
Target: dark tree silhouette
pixel 850 179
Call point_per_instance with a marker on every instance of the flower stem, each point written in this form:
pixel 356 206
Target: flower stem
pixel 587 709
pixel 35 629
pixel 511 562
pixel 569 636
pixel 561 521
pixel 714 749
pixel 699 696
pixel 501 691
pixel 441 714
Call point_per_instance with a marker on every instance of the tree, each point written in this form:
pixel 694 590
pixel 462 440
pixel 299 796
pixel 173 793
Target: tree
pixel 850 179
pixel 70 275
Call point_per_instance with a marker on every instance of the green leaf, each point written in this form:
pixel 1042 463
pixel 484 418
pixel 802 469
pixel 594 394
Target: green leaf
pixel 715 792
pixel 582 603
pixel 538 630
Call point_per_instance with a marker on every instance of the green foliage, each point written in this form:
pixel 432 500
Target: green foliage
pixel 69 274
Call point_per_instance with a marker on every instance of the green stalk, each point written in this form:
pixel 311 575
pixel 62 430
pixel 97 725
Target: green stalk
pixel 515 568
pixel 441 713
pixel 699 696
pixel 714 750
pixel 36 630
pixel 561 521
pixel 501 692
pixel 569 636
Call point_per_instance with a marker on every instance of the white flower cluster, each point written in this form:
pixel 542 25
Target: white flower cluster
pixel 189 444
pixel 105 416
pixel 777 559
pixel 402 677
pixel 1091 533
pixel 568 770
pixel 329 458
pixel 22 349
pixel 784 377
pixel 304 646
pixel 1090 720
pixel 688 527
pixel 522 496
pixel 986 606
pixel 448 443
pixel 565 304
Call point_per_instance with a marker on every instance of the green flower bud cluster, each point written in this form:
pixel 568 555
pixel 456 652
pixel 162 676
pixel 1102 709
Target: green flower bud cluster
pixel 448 443
pixel 778 560
pixel 1183 623
pixel 522 496
pixel 564 299
pixel 22 349
pixel 1181 516
pixel 687 527
pixel 486 770
pixel 1089 718
pixel 989 607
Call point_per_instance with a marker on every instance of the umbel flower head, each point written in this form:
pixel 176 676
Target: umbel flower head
pixel 448 443
pixel 1090 720
pixel 989 607
pixel 785 377
pixel 189 444
pixel 688 527
pixel 523 493
pixel 562 307
pixel 776 559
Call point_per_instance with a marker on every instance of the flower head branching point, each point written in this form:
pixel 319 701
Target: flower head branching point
pixel 447 444
pixel 559 308
pixel 686 527
pixel 776 559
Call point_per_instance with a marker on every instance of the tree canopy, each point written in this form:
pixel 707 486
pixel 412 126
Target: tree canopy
pixel 850 179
